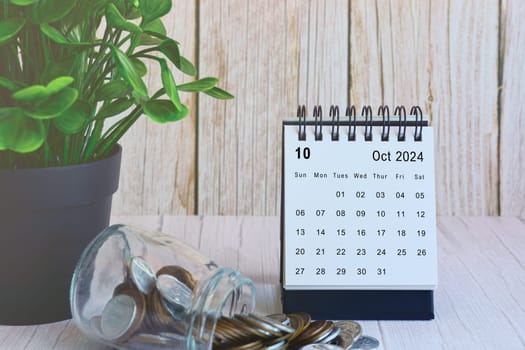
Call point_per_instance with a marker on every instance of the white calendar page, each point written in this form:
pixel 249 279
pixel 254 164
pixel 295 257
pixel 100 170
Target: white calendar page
pixel 359 215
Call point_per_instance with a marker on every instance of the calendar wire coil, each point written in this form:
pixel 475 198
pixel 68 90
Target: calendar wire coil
pixel 336 123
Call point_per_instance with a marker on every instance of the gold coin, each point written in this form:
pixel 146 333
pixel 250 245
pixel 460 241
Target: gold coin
pixel 126 285
pixel 150 323
pixel 314 333
pixel 162 315
pixel 254 345
pixel 180 273
pixel 261 327
pixel 303 316
pixel 244 328
pixel 228 332
pixel 278 343
pixel 351 327
pixel 298 322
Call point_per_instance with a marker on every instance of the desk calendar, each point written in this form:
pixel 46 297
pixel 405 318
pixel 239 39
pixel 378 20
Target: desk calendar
pixel 358 215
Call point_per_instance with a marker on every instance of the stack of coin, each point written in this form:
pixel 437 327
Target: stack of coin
pixel 292 331
pixel 148 307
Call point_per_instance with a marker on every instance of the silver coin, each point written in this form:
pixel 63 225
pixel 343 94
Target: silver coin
pixel 278 345
pixel 118 317
pixel 141 274
pixel 265 323
pixel 272 322
pixel 265 328
pixel 330 336
pixel 281 318
pixel 177 295
pixel 321 347
pixel 350 327
pixel 365 342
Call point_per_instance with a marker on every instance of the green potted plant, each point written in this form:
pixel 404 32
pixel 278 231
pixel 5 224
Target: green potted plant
pixel 67 95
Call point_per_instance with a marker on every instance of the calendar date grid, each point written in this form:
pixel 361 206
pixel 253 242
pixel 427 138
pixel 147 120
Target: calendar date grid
pixel 365 218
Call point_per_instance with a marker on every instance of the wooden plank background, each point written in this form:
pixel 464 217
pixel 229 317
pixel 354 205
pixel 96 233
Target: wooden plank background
pixel 512 112
pixel 461 61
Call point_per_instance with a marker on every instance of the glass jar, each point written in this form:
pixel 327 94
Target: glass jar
pixel 134 289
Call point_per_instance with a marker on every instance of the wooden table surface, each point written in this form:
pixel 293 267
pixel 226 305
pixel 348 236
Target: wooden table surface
pixel 479 303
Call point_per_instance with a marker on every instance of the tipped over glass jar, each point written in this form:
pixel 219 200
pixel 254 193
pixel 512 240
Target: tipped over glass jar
pixel 134 289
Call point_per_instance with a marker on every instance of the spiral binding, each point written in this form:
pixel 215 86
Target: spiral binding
pixel 301 114
pixel 318 117
pixel 367 113
pixel 334 113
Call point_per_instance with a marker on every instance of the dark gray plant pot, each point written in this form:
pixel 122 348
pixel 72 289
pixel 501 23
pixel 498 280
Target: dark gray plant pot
pixel 47 218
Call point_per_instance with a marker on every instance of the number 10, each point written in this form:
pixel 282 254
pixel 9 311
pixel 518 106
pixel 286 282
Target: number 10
pixel 305 153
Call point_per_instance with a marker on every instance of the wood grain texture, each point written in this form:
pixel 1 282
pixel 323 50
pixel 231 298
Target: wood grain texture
pixel 272 55
pixel 512 145
pixel 225 159
pixel 389 53
pixel 464 90
pixel 442 56
pixel 159 161
pixel 478 303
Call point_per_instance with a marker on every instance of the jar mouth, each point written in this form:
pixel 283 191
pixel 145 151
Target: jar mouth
pixel 225 293
pixel 80 280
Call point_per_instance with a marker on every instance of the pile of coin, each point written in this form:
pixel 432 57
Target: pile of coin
pixel 147 304
pixel 291 331
pixel 148 310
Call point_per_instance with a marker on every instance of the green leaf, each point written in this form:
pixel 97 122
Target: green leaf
pixel 134 13
pixel 57 36
pixel 58 84
pixel 128 72
pixel 47 11
pixel 10 85
pixel 38 92
pixel 140 67
pixel 163 111
pixel 116 20
pixel 156 26
pixel 10 27
pixel 154 33
pixel 74 119
pixel 170 49
pixel 30 93
pixel 19 133
pixel 169 84
pixel 147 40
pixel 219 93
pixel 23 2
pixel 160 36
pixel 153 9
pixel 203 84
pixel 114 108
pixel 113 89
pixel 54 105
pixel 187 67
